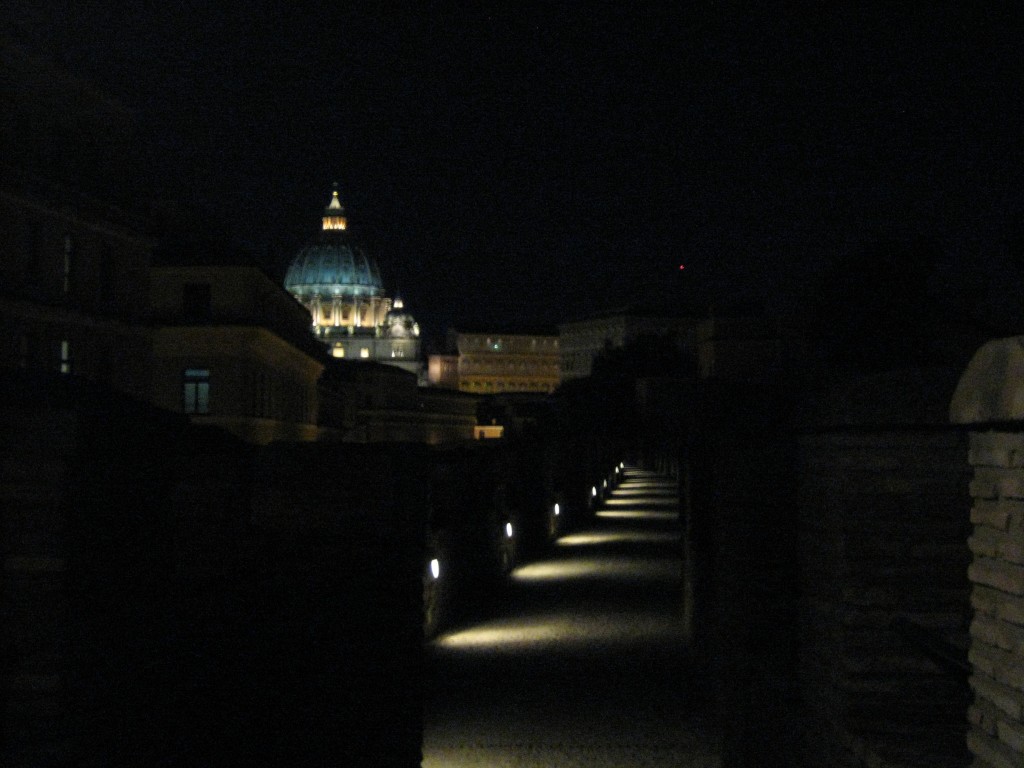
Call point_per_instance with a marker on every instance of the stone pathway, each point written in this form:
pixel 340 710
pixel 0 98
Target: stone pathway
pixel 583 663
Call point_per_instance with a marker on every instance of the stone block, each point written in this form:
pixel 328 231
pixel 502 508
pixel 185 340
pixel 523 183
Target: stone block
pixel 991 513
pixel 994 754
pixel 985 658
pixel 1006 700
pixel 1012 611
pixel 996 449
pixel 994 543
pixel 986 600
pixel 985 541
pixel 1003 576
pixel 996 633
pixel 1012 735
pixel 1011 549
pixel 1002 666
pixel 993 483
pixel 1011 674
pixel 984 486
pixel 983 716
pixel 1011 485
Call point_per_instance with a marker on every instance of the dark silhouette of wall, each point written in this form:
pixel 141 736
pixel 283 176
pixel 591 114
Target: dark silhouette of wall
pixel 162 606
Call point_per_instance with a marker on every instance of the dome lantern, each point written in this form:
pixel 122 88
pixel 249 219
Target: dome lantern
pixel 334 213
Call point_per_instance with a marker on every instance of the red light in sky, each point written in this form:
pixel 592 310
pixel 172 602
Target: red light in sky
pixel 682 266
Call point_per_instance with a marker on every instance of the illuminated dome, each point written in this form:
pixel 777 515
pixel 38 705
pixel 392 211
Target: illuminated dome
pixel 341 286
pixel 333 265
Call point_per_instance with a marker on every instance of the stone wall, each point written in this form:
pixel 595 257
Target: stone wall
pixel 988 400
pixel 825 559
pixel 159 609
pixel 883 548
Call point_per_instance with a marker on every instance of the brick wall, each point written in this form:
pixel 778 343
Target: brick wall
pixel 988 399
pixel 997 573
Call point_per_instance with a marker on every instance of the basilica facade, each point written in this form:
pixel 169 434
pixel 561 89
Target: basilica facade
pixel 341 286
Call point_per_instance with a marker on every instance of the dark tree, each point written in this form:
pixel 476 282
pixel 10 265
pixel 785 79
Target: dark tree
pixel 888 305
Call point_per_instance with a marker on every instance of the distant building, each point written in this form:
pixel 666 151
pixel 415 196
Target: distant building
pixel 495 362
pixel 341 286
pixel 73 254
pixel 230 347
pixel 580 341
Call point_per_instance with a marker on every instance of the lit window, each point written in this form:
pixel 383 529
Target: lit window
pixel 364 352
pixel 65 356
pixel 339 351
pixel 196 390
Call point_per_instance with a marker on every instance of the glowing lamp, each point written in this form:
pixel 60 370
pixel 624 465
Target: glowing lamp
pixel 435 568
pixel 508 530
pixel 593 490
pixel 558 510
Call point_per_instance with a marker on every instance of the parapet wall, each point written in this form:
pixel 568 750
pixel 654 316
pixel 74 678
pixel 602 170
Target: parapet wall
pixel 883 530
pixel 825 557
pixel 990 401
pixel 883 551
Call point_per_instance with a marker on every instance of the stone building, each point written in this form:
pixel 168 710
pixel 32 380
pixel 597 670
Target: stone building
pixel 341 286
pixel 492 362
pixel 230 347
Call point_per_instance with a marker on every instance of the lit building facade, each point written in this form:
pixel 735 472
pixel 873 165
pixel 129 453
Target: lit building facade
pixel 341 286
pixel 491 363
pixel 231 348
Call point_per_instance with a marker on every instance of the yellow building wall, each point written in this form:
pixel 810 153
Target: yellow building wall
pixel 261 387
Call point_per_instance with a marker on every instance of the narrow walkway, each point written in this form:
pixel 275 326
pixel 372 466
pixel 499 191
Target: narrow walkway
pixel 583 665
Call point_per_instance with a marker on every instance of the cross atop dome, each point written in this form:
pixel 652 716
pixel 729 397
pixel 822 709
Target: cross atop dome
pixel 334 213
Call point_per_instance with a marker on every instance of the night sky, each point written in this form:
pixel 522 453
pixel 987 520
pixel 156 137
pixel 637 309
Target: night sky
pixel 535 165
